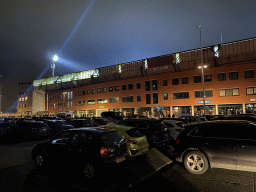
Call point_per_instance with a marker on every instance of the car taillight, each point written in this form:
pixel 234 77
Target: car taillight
pixel 103 151
pixel 132 141
pixel 156 132
pixel 179 130
pixel 177 141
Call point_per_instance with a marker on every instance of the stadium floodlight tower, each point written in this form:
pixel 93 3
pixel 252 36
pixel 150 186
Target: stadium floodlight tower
pixel 55 58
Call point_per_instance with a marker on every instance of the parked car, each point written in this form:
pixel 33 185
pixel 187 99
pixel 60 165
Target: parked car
pixel 85 122
pixel 136 142
pixel 217 144
pixel 174 127
pixel 57 126
pixel 23 130
pixel 101 120
pixel 193 119
pixel 84 148
pixel 238 117
pixel 64 116
pixel 5 128
pixel 155 131
pixel 113 114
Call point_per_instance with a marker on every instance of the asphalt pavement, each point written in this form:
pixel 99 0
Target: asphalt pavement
pixel 24 176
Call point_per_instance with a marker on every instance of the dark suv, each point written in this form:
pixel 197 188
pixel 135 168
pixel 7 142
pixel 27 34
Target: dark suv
pixel 56 126
pixel 218 144
pixel 87 148
pixel 155 131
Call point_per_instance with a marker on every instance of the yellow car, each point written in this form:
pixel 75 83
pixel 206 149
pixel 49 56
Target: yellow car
pixel 136 142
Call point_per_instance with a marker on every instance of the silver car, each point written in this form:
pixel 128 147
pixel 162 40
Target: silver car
pixel 174 127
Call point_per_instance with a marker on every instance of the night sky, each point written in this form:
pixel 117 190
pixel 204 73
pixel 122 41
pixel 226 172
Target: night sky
pixel 89 34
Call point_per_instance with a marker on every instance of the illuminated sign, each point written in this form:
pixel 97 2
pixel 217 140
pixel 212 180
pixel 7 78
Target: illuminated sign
pixel 253 99
pixel 201 102
pixel 100 107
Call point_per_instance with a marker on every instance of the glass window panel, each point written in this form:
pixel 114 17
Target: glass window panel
pixel 235 91
pixel 222 93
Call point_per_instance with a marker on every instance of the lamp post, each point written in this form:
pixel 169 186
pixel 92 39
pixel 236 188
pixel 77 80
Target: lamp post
pixel 55 58
pixel 202 66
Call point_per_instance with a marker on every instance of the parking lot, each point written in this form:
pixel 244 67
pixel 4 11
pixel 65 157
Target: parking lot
pixel 155 170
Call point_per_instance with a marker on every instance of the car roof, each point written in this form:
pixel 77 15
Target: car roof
pixel 93 129
pixel 218 122
pixel 173 120
pixel 118 126
pixel 142 119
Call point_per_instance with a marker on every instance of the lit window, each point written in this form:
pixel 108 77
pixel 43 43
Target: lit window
pixel 216 51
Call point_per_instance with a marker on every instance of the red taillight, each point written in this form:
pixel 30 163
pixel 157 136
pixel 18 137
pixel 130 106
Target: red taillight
pixel 156 132
pixel 179 130
pixel 103 151
pixel 132 141
pixel 177 141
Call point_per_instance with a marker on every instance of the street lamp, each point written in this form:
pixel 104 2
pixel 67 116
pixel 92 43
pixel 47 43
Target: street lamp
pixel 202 66
pixel 55 58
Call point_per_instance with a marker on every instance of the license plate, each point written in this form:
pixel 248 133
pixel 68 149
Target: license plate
pixel 120 159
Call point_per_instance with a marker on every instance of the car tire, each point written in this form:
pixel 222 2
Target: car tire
pixel 39 160
pixel 89 170
pixel 196 162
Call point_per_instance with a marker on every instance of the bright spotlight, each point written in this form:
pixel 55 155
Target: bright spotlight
pixel 55 58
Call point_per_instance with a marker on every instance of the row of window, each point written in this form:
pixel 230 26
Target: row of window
pixel 23 106
pixel 175 81
pixel 179 95
pixel 23 98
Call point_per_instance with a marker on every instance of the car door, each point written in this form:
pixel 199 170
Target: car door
pixel 59 147
pixel 77 149
pixel 217 142
pixel 246 147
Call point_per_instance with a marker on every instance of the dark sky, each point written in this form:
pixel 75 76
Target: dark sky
pixel 89 34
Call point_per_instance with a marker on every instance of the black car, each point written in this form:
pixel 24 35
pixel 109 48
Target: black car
pixel 23 130
pixel 247 117
pixel 217 144
pixel 113 114
pixel 5 128
pixel 84 122
pixel 57 126
pixel 155 131
pixel 87 148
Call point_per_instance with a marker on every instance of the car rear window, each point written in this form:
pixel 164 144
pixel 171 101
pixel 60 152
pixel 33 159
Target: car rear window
pixel 157 125
pixel 180 124
pixel 111 137
pixel 134 133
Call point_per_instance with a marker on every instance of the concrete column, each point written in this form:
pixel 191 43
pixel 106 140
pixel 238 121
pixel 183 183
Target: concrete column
pixel 217 109
pixel 192 110
pixel 135 110
pixel 152 112
pixel 243 108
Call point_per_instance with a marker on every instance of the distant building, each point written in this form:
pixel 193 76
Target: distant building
pixel 30 102
pixel 159 86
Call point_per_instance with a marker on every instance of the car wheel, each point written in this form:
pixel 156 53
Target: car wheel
pixel 196 162
pixel 39 160
pixel 89 170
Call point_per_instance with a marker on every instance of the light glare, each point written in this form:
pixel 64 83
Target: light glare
pixel 55 58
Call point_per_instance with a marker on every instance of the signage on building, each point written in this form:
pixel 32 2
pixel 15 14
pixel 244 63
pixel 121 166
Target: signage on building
pixel 253 99
pixel 201 102
pixel 100 107
pixel 160 68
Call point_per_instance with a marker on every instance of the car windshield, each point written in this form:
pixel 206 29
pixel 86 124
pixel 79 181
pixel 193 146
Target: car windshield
pixel 157 125
pixel 134 133
pixel 111 137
